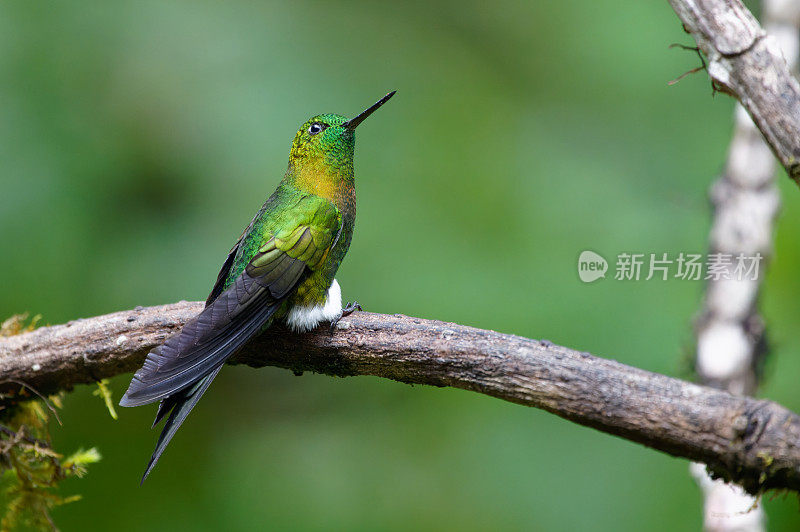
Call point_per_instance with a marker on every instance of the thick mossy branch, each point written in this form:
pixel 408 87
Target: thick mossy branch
pixel 755 443
pixel 30 470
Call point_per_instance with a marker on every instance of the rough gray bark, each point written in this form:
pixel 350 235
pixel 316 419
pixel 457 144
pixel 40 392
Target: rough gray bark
pixel 753 442
pixel 747 63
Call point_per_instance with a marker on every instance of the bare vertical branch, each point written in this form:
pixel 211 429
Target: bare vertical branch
pixel 730 332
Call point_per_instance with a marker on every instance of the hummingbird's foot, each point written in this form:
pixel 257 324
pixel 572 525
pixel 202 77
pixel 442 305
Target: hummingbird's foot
pixel 346 311
pixel 350 308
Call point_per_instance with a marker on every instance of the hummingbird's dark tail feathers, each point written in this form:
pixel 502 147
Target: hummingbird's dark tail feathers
pixel 178 406
pixel 180 370
pixel 207 340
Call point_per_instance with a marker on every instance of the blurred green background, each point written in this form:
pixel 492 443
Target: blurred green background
pixel 138 138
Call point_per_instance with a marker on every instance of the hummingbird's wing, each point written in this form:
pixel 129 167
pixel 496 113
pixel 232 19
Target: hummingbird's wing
pixel 180 370
pixel 238 312
pixel 226 269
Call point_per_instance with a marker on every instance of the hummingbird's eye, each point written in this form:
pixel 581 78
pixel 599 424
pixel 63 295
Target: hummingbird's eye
pixel 316 127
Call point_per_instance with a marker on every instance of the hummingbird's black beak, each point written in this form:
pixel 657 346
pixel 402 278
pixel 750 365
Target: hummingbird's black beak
pixel 353 122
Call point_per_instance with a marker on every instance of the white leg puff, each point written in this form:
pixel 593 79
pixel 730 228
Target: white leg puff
pixel 302 319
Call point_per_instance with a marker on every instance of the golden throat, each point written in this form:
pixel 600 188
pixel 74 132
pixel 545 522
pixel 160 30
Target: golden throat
pixel 322 180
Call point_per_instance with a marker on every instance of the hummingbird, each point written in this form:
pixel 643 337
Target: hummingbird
pixel 282 268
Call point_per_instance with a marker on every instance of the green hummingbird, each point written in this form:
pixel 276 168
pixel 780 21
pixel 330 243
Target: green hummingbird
pixel 281 268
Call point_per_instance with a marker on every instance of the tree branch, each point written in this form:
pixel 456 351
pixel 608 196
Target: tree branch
pixel 731 339
pixel 746 62
pixel 753 442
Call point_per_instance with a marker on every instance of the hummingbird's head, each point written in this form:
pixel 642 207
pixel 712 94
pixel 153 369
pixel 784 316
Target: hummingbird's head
pixel 323 138
pixel 327 142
